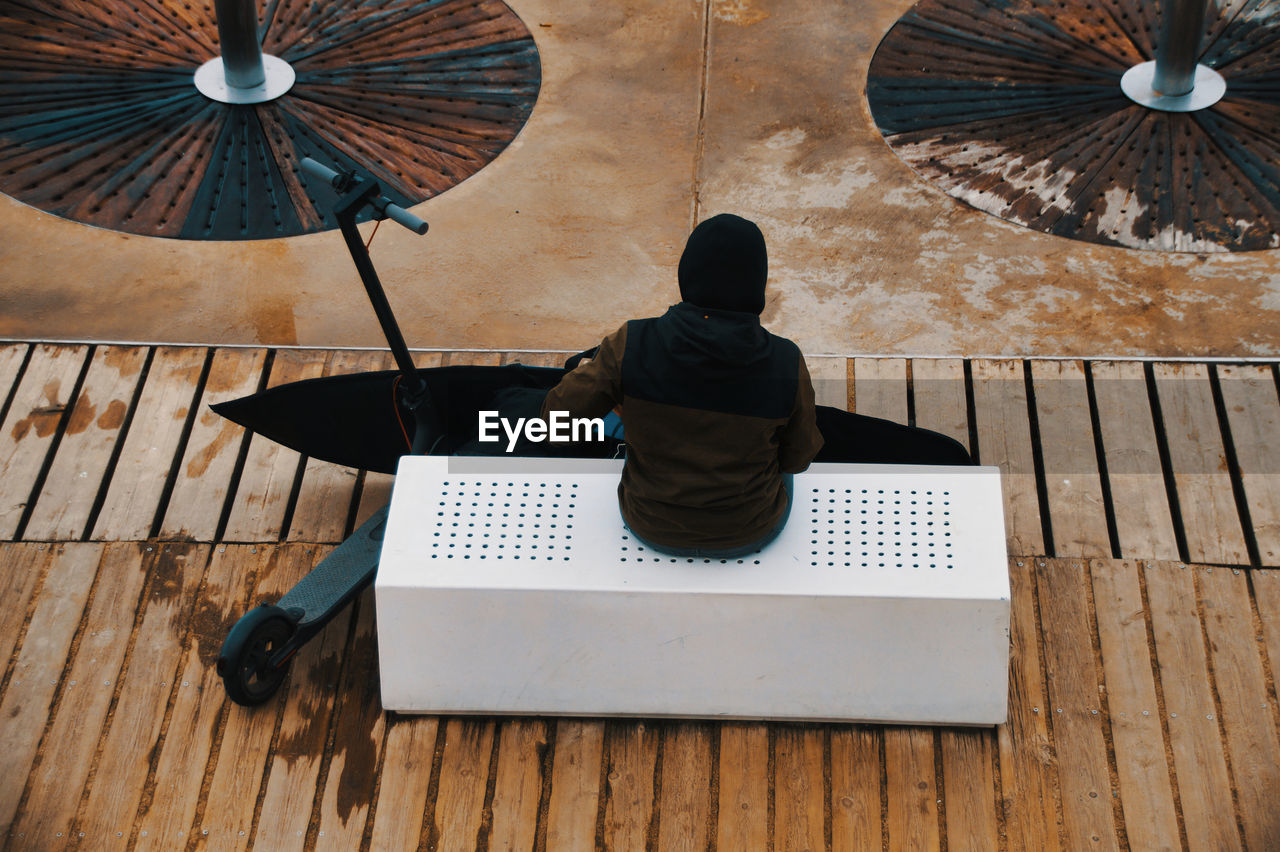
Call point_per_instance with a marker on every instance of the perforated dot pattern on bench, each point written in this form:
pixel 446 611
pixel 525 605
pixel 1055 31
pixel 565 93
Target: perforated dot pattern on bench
pixel 881 528
pixel 504 519
pixel 634 551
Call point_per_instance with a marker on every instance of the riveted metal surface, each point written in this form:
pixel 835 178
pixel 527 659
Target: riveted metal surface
pixel 100 120
pixel 1015 107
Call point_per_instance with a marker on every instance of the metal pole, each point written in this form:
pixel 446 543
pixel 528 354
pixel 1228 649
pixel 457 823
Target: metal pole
pixel 1181 29
pixel 238 38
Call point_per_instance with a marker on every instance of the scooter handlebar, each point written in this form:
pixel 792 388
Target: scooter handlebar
pixel 382 204
pixel 404 217
pixel 318 170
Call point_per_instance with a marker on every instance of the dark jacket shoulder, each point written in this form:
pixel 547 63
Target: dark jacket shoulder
pixel 722 361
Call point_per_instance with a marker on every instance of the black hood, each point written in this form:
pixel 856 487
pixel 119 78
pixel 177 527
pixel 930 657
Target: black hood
pixel 725 265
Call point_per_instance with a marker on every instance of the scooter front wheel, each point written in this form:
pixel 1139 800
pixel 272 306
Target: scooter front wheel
pixel 251 662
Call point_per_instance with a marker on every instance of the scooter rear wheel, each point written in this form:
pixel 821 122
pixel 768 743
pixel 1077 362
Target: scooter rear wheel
pixel 246 660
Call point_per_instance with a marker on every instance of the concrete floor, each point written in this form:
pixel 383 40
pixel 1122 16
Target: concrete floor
pixel 653 115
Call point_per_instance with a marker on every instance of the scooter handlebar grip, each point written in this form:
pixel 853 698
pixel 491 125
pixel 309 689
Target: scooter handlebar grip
pixel 319 170
pixel 404 217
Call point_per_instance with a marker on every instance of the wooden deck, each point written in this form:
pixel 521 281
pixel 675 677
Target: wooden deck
pixel 1143 513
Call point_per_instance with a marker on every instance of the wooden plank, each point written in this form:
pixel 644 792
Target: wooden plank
pixel 517 792
pixel 685 807
pixel 423 360
pixel 176 571
pixel 358 733
pixel 911 790
pixel 71 740
pixel 633 750
pixel 75 477
pixel 969 790
pixel 1253 415
pixel 297 750
pixel 1248 717
pixel 204 474
pixel 404 781
pixel 575 785
pixel 880 390
pixel 743 817
pixel 1028 771
pixel 856 823
pixel 1077 513
pixel 1206 501
pixel 324 500
pixel 37 673
pixel 1198 756
pixel 464 775
pixel 149 449
pixel 1144 523
pixel 1074 692
pixel 536 359
pixel 830 381
pixel 30 426
pixel 1266 594
pixel 880 387
pixel 1004 439
pixel 1146 793
pixel 968 757
pixel 799 790
pixel 937 386
pixel 480 359
pixel 266 480
pixel 169 801
pixel 21 568
pixel 375 492
pixel 226 818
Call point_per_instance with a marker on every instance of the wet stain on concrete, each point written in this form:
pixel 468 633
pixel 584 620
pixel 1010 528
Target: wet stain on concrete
pixel 273 321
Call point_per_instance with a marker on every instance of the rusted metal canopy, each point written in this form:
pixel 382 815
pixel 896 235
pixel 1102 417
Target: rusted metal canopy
pixel 100 120
pixel 1015 107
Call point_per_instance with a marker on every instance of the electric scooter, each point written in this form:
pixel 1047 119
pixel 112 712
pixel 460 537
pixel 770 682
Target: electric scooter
pixel 255 656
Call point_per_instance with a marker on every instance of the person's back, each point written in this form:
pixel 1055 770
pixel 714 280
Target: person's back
pixel 716 409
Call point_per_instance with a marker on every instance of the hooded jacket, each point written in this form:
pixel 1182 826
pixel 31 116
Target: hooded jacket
pixel 715 407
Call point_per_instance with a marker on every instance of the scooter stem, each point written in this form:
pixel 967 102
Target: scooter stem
pixel 348 206
pixel 415 395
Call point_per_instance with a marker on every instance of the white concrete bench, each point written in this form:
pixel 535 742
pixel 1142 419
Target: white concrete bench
pixel 511 586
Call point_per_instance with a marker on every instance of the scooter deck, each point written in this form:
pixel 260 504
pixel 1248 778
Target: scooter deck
pixel 341 575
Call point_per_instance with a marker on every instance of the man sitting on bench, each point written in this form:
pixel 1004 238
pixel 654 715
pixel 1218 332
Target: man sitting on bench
pixel 717 411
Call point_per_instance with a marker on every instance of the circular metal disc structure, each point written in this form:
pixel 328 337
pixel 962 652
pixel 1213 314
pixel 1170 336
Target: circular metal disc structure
pixel 101 121
pixel 1016 108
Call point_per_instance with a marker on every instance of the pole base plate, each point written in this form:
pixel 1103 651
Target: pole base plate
pixel 1207 90
pixel 211 80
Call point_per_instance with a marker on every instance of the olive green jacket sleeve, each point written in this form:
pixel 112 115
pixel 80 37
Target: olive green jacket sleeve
pixel 594 388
